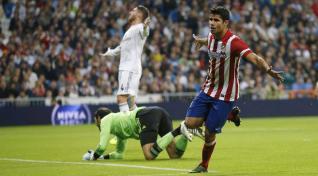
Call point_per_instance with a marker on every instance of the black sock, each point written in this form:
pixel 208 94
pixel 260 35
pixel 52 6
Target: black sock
pixel 176 132
pixel 155 150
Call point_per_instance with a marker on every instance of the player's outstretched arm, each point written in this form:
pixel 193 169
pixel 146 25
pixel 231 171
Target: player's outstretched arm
pixel 262 64
pixel 111 52
pixel 119 153
pixel 199 41
pixel 120 148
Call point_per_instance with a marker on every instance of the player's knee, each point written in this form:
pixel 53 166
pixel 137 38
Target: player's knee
pixel 193 122
pixel 122 99
pixel 209 137
pixel 149 157
pixel 174 157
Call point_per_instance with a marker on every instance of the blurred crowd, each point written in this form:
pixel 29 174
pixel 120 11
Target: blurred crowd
pixel 50 48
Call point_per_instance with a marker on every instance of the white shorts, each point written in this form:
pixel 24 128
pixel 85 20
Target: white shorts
pixel 128 83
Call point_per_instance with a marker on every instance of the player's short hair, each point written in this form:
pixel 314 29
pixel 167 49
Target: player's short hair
pixel 222 11
pixel 144 11
pixel 102 112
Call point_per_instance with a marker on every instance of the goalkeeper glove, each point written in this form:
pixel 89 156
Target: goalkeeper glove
pixel 91 155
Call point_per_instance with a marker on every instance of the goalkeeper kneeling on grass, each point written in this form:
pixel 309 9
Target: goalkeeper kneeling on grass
pixel 145 124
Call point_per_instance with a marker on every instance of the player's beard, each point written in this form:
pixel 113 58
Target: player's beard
pixel 213 31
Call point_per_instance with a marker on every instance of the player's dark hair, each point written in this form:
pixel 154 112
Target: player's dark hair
pixel 102 112
pixel 222 11
pixel 144 11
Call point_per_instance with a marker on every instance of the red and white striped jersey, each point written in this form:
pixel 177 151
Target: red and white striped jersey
pixel 222 78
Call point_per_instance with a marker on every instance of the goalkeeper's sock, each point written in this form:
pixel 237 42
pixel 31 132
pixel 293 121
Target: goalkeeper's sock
pixel 207 153
pixel 161 144
pixel 176 132
pixel 181 145
pixel 123 107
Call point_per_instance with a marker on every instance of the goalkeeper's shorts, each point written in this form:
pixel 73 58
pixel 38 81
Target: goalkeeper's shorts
pixel 154 121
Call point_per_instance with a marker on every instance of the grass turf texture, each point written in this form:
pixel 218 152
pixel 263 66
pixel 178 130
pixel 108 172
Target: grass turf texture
pixel 262 147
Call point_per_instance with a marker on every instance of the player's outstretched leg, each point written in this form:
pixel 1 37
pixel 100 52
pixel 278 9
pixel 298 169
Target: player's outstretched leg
pixel 199 169
pixel 207 151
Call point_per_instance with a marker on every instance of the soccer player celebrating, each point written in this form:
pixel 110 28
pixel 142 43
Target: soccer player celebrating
pixel 130 50
pixel 144 123
pixel 221 87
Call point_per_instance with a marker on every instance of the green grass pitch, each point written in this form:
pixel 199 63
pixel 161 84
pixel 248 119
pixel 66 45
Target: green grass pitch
pixel 260 147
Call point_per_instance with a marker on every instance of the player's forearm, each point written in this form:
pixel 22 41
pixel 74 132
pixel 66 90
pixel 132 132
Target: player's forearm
pixel 260 63
pixel 99 152
pixel 204 41
pixel 121 145
pixel 113 155
pixel 145 31
pixel 146 27
pixel 104 136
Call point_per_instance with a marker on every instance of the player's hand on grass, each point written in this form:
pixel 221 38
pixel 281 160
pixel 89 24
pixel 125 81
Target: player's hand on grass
pixel 89 155
pixel 199 41
pixel 104 157
pixel 276 74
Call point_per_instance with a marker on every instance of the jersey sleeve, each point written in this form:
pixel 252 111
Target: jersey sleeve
pixel 120 148
pixel 104 136
pixel 240 48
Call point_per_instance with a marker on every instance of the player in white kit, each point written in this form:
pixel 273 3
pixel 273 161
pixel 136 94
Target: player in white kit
pixel 130 50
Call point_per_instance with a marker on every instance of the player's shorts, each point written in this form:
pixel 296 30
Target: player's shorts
pixel 153 121
pixel 128 83
pixel 214 111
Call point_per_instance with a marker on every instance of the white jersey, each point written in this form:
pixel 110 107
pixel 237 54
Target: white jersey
pixel 131 48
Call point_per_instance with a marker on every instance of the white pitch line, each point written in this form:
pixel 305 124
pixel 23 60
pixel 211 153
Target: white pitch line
pixel 159 174
pixel 94 163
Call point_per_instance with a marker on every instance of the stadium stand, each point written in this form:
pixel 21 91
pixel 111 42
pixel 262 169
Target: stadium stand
pixel 49 48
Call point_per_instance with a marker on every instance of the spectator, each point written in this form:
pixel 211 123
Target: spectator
pixel 60 39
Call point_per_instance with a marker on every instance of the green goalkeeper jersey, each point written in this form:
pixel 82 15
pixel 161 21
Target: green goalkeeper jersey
pixel 123 125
